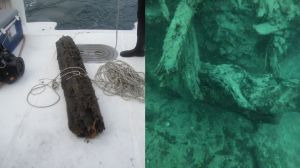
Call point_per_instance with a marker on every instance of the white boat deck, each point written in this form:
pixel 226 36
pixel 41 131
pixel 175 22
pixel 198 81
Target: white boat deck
pixel 40 138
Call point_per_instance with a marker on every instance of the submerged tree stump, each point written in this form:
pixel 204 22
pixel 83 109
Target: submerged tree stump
pixel 84 117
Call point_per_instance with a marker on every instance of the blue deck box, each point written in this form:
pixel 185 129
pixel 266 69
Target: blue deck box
pixel 11 32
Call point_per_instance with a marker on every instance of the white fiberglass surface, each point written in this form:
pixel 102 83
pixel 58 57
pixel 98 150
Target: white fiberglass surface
pixel 40 138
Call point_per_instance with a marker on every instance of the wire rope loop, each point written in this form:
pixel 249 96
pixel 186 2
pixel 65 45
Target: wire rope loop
pixel 43 88
pixel 53 84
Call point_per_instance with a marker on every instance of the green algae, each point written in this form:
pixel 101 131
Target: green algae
pixel 222 84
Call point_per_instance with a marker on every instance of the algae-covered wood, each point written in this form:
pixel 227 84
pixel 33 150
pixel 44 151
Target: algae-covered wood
pixel 180 59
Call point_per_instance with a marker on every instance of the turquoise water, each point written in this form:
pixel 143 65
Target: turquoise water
pixel 223 84
pixel 83 14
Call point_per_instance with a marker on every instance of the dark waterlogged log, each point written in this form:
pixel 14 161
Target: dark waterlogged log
pixel 84 117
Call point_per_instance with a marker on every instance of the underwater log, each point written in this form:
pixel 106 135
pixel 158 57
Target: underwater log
pixel 258 97
pixel 84 117
pixel 176 37
pixel 180 59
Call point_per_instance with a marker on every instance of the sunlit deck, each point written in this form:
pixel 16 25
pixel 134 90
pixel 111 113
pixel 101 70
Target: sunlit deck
pixel 40 138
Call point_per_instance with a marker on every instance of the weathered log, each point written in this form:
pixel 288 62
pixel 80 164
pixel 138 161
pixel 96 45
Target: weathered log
pixel 260 98
pixel 84 117
pixel 180 62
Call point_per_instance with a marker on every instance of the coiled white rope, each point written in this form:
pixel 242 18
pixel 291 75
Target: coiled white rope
pixel 119 78
pixel 53 84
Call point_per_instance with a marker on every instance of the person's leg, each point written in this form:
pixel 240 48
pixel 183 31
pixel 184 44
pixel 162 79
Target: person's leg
pixel 141 26
pixel 140 44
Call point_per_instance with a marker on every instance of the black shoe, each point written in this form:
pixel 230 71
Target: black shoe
pixel 133 53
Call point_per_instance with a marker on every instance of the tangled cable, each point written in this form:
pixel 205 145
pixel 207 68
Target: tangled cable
pixel 119 78
pixel 53 84
pixel 114 78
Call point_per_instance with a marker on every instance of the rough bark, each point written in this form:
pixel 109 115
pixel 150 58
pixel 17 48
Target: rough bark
pixel 84 117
